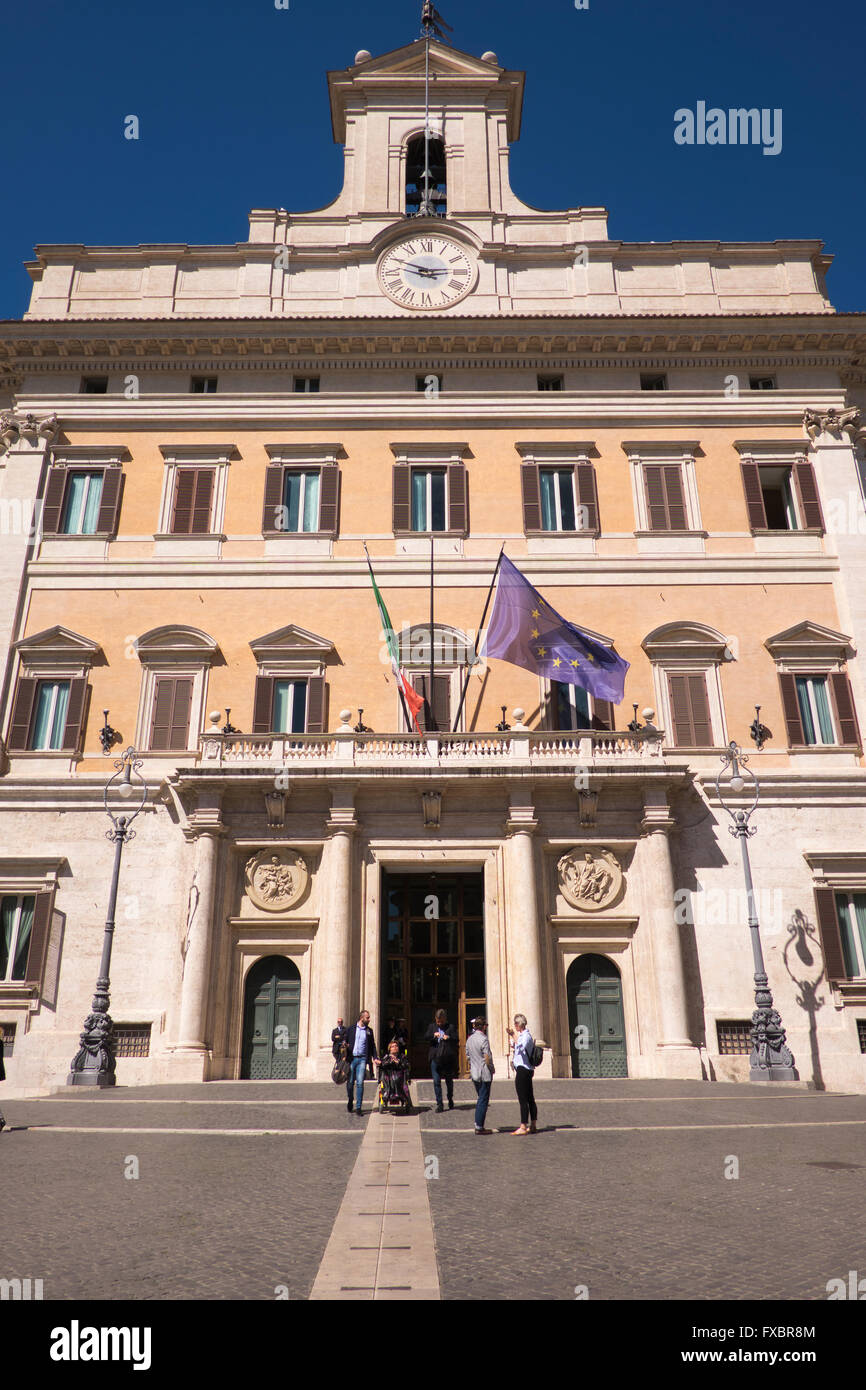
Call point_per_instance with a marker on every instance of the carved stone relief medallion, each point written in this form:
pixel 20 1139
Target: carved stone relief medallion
pixel 590 879
pixel 276 878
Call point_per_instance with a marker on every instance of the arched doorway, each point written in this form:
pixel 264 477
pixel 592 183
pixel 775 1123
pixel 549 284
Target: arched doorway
pixel 596 1023
pixel 272 1007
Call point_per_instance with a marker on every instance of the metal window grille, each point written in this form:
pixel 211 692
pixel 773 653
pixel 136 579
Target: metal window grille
pixel 861 1033
pixel 7 1031
pixel 132 1039
pixel 735 1036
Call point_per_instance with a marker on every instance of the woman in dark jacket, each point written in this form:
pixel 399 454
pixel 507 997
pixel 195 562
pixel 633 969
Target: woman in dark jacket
pixel 442 1037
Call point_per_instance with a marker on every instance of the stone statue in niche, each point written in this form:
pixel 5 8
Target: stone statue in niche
pixel 590 880
pixel 275 879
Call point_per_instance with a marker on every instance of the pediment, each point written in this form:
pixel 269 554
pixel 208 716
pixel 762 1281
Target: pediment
pixel 58 641
pixel 176 642
pixel 409 61
pixel 684 638
pixel 809 636
pixel 290 641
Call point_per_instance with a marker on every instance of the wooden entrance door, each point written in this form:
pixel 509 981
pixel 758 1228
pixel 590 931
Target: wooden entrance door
pixel 432 957
pixel 272 1008
pixel 595 1018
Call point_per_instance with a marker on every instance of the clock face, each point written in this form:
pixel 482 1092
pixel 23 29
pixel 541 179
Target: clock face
pixel 426 271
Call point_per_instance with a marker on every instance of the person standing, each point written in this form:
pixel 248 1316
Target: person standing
pixel 442 1037
pixel 481 1070
pixel 361 1052
pixel 2 1076
pixel 338 1037
pixel 522 1045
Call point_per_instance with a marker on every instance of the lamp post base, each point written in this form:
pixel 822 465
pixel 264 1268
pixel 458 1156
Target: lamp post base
pixel 770 1058
pixel 91 1078
pixel 772 1073
pixel 94 1063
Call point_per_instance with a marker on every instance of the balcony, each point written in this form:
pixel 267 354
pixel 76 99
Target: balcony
pixel 518 748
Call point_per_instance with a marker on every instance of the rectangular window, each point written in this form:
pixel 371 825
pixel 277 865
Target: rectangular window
pixel 814 704
pixel 735 1037
pixel 441 713
pixel 203 385
pixel 572 706
pixel 851 914
pixel 762 383
pixel 132 1039
pixel 7 1032
pixel 81 505
pixel 653 381
pixel 777 491
pixel 172 699
pixel 300 500
pixel 16 926
pixel 666 507
pixel 49 716
pixel 861 1033
pixel 550 383
pixel 558 511
pixel 305 383
pixel 690 710
pixel 290 707
pixel 429 511
pixel 94 385
pixel 193 495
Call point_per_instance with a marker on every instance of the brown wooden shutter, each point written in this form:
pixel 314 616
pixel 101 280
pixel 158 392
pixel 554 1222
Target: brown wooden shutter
pixel 76 710
pixel 690 711
pixel 273 500
pixel 602 714
pixel 587 494
pixel 754 495
pixel 201 505
pixel 401 506
pixel 441 701
pixel 316 701
pixel 329 490
pixel 184 491
pixel 791 710
pixel 458 498
pixel 38 944
pixel 831 937
pixel 52 509
pixel 846 717
pixel 807 487
pixel 676 507
pixel 531 489
pixel 263 705
pixel 22 714
pixel 655 497
pixel 171 709
pixel 109 502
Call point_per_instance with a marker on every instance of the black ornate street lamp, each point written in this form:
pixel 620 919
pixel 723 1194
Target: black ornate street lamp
pixel 770 1059
pixel 94 1062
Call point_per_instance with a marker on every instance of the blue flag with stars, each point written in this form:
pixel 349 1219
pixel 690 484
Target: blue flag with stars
pixel 526 631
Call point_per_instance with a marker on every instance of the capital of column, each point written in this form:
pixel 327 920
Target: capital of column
pixel 521 822
pixel 342 820
pixel 198 827
pixel 657 822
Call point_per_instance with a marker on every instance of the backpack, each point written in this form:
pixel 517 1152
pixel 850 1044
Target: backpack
pixel 535 1055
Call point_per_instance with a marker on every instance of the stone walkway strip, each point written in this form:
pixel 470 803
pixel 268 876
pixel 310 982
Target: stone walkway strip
pixel 381 1246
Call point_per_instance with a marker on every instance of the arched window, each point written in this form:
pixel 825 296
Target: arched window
pixel 425 179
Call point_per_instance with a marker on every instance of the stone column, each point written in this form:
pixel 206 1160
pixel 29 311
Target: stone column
pixel 333 948
pixel 525 990
pixel 678 1055
pixel 206 829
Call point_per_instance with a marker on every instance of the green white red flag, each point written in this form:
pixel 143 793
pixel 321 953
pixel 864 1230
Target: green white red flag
pixel 411 698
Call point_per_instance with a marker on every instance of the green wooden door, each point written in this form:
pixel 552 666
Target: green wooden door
pixel 272 1008
pixel 595 1018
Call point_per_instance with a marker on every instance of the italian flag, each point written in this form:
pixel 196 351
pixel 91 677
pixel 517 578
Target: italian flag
pixel 413 700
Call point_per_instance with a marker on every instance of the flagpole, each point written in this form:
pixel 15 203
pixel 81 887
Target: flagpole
pixel 431 715
pixel 477 640
pixel 399 689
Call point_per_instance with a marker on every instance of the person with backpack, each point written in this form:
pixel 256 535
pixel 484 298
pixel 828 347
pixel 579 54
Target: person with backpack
pixel 526 1056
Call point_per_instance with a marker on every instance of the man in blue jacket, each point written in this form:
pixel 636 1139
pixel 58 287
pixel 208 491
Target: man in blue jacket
pixel 361 1052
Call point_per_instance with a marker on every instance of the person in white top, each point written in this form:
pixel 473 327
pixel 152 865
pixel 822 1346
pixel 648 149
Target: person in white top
pixel 522 1044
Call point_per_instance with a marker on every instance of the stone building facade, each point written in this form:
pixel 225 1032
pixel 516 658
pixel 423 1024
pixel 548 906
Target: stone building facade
pixel 666 439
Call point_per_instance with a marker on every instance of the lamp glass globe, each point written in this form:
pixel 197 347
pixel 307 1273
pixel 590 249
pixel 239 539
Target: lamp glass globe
pixel 126 790
pixel 737 783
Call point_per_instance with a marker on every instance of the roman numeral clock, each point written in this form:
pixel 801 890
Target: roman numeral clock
pixel 427 272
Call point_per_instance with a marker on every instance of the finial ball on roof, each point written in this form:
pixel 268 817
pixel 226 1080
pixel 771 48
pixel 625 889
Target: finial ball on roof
pixel 362 55
pixel 489 57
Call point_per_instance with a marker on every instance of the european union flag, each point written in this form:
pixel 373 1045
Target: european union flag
pixel 526 631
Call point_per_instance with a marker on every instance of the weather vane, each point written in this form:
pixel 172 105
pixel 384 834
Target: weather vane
pixel 432 23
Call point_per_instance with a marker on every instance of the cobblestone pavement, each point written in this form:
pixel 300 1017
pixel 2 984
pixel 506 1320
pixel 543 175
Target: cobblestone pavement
pixel 622 1191
pixel 646 1212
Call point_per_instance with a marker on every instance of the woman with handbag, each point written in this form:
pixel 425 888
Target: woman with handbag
pixel 442 1037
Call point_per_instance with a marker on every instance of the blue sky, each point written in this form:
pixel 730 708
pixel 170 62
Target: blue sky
pixel 232 102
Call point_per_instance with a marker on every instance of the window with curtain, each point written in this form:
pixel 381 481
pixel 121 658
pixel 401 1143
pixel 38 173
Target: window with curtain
pixel 851 912
pixel 81 505
pixel 16 924
pixel 301 500
pixel 49 716
pixel 572 706
pixel 814 704
pixel 428 499
pixel 290 707
pixel 557 499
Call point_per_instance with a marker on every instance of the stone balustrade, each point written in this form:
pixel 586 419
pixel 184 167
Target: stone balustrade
pixel 584 747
